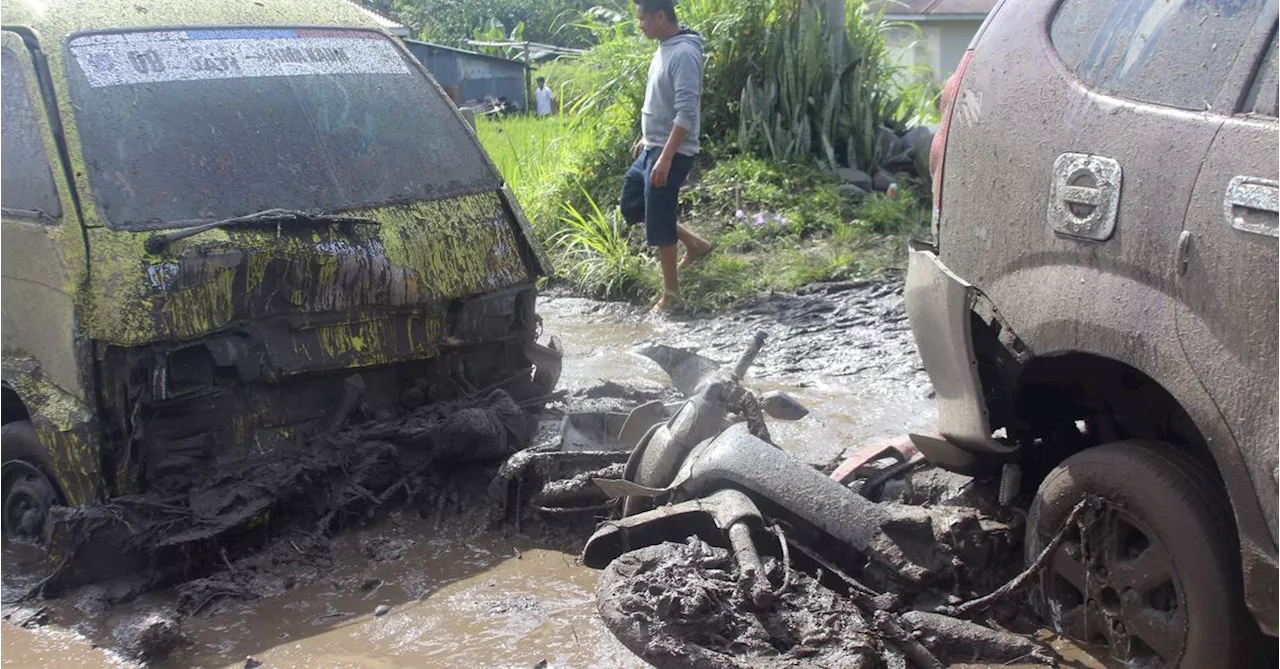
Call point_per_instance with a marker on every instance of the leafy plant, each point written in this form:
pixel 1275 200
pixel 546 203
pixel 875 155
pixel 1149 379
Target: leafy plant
pixel 596 254
pixel 812 103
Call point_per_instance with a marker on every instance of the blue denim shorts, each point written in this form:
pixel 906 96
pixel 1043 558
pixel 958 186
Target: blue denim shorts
pixel 657 208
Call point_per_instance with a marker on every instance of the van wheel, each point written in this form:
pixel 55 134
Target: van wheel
pixel 27 493
pixel 1153 572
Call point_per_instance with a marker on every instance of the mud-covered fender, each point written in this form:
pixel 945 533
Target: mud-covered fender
pixel 538 260
pixel 1137 324
pixel 68 429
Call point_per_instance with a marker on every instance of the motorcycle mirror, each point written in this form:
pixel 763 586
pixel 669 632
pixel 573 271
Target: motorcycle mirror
pixel 782 406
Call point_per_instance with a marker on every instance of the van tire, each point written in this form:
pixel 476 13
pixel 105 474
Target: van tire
pixel 26 477
pixel 1185 596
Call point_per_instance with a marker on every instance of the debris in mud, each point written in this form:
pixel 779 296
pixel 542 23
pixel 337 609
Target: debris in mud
pixel 339 475
pixel 149 636
pixel 954 640
pixel 687 604
pixel 381 610
pixel 555 479
pixel 28 616
pixel 679 605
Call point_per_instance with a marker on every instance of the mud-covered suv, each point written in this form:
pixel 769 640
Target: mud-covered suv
pixel 227 226
pixel 1098 309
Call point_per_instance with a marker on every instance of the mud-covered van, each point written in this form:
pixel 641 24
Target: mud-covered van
pixel 230 225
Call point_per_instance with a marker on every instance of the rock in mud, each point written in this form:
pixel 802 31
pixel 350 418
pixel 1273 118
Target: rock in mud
pixel 382 610
pixel 932 486
pixel 679 605
pixel 150 636
pixel 955 641
pixel 385 549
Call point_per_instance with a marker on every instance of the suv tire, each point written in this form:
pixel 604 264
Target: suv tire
pixel 1165 586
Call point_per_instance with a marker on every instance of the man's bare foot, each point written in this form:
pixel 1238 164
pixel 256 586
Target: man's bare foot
pixel 694 255
pixel 666 304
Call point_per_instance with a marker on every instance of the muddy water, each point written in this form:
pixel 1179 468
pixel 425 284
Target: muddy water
pixel 486 601
pixel 849 357
pixel 490 601
pixel 40 645
pixel 52 646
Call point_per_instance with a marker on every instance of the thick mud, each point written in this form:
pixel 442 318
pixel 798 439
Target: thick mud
pixel 438 582
pixel 844 350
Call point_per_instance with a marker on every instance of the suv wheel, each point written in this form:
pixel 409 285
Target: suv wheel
pixel 1153 572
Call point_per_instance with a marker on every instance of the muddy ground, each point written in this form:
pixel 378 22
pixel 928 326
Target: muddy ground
pixel 435 582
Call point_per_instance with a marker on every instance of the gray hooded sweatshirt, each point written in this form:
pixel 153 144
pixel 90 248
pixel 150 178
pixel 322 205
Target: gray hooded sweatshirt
pixel 674 94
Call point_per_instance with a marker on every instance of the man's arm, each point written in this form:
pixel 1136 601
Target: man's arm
pixel 662 167
pixel 686 72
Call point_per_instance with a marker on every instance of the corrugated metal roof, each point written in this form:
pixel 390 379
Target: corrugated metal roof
pixel 923 9
pixel 464 52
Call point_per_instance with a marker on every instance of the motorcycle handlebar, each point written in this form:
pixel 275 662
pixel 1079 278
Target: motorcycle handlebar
pixel 749 355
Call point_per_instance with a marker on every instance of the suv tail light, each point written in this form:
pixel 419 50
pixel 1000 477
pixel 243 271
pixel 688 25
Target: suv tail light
pixel 938 150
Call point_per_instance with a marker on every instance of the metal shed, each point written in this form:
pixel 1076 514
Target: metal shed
pixel 467 75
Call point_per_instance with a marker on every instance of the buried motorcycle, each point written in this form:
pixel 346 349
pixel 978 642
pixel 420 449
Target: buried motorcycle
pixel 730 552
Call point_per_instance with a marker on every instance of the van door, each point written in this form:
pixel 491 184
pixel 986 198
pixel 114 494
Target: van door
pixel 42 262
pixel 1227 278
pixel 43 250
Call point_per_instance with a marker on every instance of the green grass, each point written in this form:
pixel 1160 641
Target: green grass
pixel 535 156
pixel 794 228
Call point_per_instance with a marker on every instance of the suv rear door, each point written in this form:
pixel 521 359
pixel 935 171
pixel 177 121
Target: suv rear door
pixel 1227 278
pixel 1079 128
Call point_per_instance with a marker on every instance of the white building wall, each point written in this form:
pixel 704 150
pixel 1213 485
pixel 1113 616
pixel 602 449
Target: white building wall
pixel 936 45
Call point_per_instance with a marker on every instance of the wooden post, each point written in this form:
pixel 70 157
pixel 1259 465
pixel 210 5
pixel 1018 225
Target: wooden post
pixel 528 82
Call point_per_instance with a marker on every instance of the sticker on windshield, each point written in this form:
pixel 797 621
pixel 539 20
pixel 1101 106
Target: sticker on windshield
pixel 195 55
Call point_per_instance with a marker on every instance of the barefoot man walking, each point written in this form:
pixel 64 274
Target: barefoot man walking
pixel 670 122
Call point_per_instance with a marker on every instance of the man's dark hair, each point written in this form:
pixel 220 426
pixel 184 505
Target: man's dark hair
pixel 667 7
pixel 542 80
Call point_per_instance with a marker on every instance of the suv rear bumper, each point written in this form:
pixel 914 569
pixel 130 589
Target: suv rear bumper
pixel 940 307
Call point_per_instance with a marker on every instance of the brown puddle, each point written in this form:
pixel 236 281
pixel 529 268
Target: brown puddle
pixel 488 601
pixel 52 646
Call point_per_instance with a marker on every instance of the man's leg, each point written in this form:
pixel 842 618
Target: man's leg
pixel 670 279
pixel 661 206
pixel 695 247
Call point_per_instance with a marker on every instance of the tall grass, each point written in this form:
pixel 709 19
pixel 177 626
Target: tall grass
pixel 596 253
pixel 539 158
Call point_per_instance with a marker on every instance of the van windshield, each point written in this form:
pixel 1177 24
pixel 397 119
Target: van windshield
pixel 184 126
